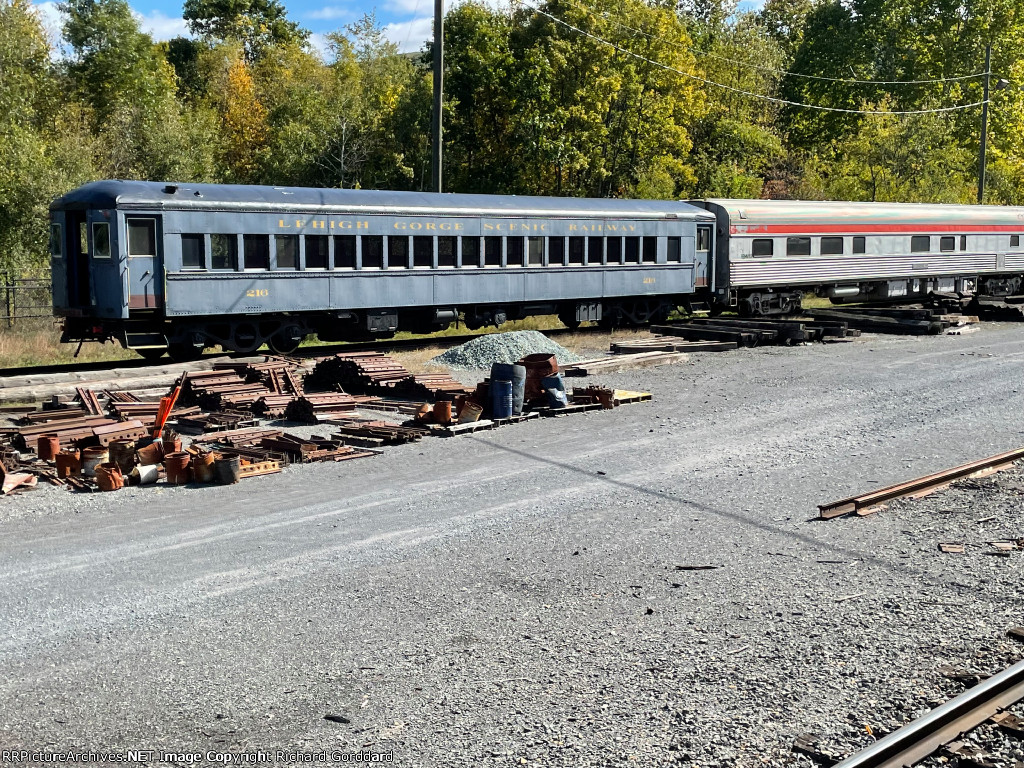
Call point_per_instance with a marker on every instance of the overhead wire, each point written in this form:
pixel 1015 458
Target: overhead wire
pixel 741 91
pixel 783 72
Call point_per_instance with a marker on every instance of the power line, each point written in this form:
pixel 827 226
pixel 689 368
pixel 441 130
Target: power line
pixel 740 90
pixel 783 72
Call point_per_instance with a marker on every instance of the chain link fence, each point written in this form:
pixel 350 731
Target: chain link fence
pixel 24 298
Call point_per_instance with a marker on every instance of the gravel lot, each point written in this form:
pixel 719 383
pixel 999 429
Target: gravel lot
pixel 512 597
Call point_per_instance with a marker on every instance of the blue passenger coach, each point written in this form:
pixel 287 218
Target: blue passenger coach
pixel 161 266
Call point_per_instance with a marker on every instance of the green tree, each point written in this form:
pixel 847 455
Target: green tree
pixel 256 24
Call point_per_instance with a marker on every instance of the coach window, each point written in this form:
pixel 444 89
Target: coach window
pixel 492 251
pixel 373 251
pixel 650 255
pixel 422 251
pixel 831 246
pixel 446 252
pixel 56 246
pixel 556 251
pixel 535 246
pixel 1015 241
pixel 595 250
pixel 345 252
pixel 798 246
pixel 577 250
pixel 256 251
pixel 223 252
pixel 675 251
pixel 763 246
pixel 859 245
pixel 614 250
pixel 947 243
pixel 632 255
pixel 141 238
pixel 101 240
pixel 287 247
pixel 193 254
pixel 963 242
pixel 398 252
pixel 317 251
pixel 514 252
pixel 920 243
pixel 470 251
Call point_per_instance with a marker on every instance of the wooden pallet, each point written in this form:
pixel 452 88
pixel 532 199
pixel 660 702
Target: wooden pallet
pixel 465 429
pixel 613 363
pixel 625 396
pixel 670 344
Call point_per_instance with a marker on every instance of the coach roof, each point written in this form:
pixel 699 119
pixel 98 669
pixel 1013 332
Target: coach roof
pixel 151 195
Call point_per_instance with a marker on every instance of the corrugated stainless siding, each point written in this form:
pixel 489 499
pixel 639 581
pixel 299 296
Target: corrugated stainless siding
pixel 812 270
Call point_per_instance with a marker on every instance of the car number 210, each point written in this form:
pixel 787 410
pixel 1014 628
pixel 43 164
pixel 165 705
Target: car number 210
pixel 254 293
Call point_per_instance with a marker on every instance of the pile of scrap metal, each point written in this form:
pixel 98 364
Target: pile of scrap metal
pixel 265 446
pixel 371 373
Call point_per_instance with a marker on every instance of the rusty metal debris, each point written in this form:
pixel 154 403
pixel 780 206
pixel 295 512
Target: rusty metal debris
pixel 874 501
pixel 222 408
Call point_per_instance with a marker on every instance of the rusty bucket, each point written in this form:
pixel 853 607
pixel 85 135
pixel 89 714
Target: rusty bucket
pixel 537 367
pixel 68 464
pixel 470 412
pixel 122 453
pixel 171 441
pixel 177 467
pixel 150 454
pixel 109 476
pixel 47 446
pixel 202 467
pixel 443 411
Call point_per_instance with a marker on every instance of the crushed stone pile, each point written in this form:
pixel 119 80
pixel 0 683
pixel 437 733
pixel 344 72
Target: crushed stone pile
pixel 482 351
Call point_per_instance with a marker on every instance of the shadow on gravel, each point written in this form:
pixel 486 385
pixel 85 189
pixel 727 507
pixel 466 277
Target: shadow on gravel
pixel 738 518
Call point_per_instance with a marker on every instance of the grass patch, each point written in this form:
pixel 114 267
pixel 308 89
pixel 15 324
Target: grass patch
pixel 37 342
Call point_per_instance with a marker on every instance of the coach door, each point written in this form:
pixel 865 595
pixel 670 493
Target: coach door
pixel 145 263
pixel 76 246
pixel 702 256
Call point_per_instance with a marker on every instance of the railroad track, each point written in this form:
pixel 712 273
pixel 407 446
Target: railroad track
pixel 944 726
pixel 320 350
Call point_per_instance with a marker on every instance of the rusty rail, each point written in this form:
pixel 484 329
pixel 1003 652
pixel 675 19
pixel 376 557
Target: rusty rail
pixel 944 724
pixel 867 503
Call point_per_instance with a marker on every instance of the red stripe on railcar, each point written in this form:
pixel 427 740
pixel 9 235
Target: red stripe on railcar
pixel 875 229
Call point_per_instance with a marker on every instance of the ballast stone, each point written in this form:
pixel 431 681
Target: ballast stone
pixel 490 348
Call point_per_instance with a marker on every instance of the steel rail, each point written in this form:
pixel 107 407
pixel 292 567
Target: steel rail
pixel 922 737
pixel 922 486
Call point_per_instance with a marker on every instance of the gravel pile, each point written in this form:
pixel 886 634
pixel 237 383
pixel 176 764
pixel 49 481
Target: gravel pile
pixel 482 351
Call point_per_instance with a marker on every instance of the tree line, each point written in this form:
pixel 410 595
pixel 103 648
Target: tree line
pixel 603 98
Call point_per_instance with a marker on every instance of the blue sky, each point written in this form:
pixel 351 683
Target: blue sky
pixel 407 22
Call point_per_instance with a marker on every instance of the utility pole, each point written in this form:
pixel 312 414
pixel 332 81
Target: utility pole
pixel 984 125
pixel 437 165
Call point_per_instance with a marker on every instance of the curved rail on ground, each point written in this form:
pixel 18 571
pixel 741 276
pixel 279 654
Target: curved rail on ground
pixel 922 737
pixel 922 486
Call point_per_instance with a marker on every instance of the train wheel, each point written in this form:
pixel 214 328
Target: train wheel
pixel 285 342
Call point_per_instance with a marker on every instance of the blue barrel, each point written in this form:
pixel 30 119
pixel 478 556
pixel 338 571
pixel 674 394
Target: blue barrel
pixel 501 399
pixel 554 387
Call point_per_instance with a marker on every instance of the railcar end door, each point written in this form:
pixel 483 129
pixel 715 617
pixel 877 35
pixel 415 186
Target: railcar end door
pixel 145 262
pixel 702 256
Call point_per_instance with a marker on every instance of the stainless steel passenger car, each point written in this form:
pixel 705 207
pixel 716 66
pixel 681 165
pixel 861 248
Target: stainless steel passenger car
pixel 769 252
pixel 186 266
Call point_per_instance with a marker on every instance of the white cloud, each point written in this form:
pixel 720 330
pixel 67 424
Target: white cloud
pixel 161 27
pixel 51 18
pixel 330 13
pixel 318 41
pixel 410 35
